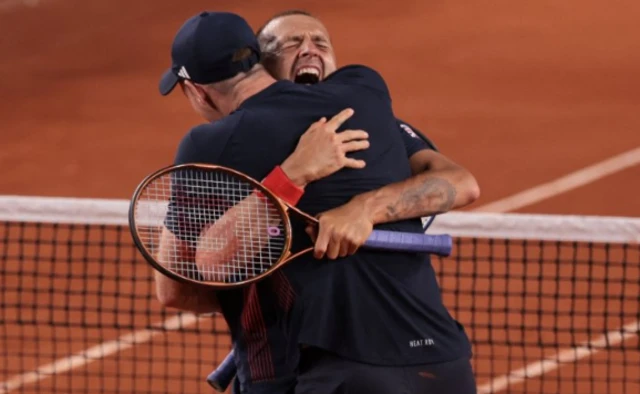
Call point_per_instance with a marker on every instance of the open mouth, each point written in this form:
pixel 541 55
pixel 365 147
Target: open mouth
pixel 307 75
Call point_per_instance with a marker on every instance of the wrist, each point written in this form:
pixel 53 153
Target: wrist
pixel 294 175
pixel 368 203
pixel 279 183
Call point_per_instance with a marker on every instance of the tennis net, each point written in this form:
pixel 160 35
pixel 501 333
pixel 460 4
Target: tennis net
pixel 551 303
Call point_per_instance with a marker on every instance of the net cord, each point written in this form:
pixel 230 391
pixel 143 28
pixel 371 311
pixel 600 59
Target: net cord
pixel 571 228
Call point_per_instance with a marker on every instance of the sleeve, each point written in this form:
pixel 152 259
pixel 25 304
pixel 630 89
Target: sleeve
pixel 185 216
pixel 414 140
pixel 363 76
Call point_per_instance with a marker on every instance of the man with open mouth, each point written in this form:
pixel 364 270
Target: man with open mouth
pixel 296 46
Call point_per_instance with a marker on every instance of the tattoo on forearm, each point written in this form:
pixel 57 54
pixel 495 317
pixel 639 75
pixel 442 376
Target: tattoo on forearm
pixel 435 195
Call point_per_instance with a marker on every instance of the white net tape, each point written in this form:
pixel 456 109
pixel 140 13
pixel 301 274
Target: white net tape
pixel 458 224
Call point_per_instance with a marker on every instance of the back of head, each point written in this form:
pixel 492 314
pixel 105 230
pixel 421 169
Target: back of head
pixel 211 47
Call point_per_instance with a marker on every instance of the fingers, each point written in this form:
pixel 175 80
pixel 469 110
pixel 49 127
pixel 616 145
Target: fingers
pixel 353 248
pixel 341 246
pixel 354 163
pixel 322 241
pixel 312 232
pixel 340 118
pixel 349 135
pixel 352 146
pixel 334 242
pixel 334 248
pixel 344 249
pixel 317 124
pixel 356 142
pixel 320 121
pixel 351 242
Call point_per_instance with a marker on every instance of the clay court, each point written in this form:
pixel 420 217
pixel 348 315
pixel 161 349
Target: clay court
pixel 521 93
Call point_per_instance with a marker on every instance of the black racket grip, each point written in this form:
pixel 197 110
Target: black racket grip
pixel 222 376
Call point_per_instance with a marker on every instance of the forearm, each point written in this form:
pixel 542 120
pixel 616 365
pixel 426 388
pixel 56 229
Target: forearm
pixel 174 294
pixel 425 194
pixel 186 297
pixel 226 245
pixel 231 242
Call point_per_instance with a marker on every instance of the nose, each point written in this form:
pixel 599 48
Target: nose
pixel 308 48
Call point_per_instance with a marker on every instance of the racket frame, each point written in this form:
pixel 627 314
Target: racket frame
pixel 282 207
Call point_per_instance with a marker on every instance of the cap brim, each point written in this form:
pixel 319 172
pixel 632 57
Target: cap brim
pixel 168 81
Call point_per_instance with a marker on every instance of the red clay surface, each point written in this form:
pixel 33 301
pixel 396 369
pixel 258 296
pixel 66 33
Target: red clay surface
pixel 519 92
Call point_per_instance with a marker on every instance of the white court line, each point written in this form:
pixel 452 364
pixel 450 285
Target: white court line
pixel 536 194
pixel 533 195
pixel 95 353
pixel 564 184
pixel 571 355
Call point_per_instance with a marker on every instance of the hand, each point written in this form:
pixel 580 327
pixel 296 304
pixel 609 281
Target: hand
pixel 342 230
pixel 321 151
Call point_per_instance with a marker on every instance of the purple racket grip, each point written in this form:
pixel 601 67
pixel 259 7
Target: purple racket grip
pixel 440 244
pixel 224 374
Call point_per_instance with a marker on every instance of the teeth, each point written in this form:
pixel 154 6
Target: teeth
pixel 308 70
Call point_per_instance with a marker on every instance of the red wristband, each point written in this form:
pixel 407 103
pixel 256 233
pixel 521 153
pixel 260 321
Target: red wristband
pixel 280 184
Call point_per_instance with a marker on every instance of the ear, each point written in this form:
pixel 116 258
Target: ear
pixel 192 90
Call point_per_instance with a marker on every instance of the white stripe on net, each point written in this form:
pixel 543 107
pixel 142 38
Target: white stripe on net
pixel 539 227
pixel 458 224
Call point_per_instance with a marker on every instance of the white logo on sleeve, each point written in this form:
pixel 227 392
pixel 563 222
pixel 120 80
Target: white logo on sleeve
pixel 422 342
pixel 408 130
pixel 183 73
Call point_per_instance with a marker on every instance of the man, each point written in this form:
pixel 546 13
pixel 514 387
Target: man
pixel 289 42
pixel 296 46
pixel 217 60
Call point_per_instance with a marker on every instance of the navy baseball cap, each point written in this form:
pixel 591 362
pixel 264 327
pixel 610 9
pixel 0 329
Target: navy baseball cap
pixel 204 48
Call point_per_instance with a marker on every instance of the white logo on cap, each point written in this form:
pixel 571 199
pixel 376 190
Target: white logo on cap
pixel 183 73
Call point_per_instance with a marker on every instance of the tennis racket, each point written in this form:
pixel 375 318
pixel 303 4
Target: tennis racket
pixel 231 230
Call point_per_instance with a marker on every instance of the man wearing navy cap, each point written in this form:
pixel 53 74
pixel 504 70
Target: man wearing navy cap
pixel 373 322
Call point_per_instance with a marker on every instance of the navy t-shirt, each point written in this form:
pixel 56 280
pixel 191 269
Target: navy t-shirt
pixel 376 307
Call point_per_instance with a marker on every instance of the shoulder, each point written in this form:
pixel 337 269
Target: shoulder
pixel 204 143
pixel 414 136
pixel 359 75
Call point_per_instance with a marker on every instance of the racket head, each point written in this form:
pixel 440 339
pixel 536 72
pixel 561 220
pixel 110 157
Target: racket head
pixel 203 193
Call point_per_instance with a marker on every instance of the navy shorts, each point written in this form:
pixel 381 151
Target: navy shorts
pixel 325 373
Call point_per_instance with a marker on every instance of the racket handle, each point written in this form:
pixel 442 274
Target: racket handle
pixel 410 242
pixel 224 374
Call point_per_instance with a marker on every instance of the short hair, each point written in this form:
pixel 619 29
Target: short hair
pixel 259 32
pixel 281 15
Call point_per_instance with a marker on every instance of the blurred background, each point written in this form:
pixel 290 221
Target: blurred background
pixel 540 100
pixel 520 92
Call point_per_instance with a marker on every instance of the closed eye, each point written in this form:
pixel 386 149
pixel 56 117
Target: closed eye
pixel 294 42
pixel 321 42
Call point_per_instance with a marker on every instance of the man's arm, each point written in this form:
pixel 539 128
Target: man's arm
pixel 424 157
pixel 174 294
pixel 438 185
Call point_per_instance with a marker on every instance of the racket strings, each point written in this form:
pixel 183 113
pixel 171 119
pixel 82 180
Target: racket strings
pixel 226 231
